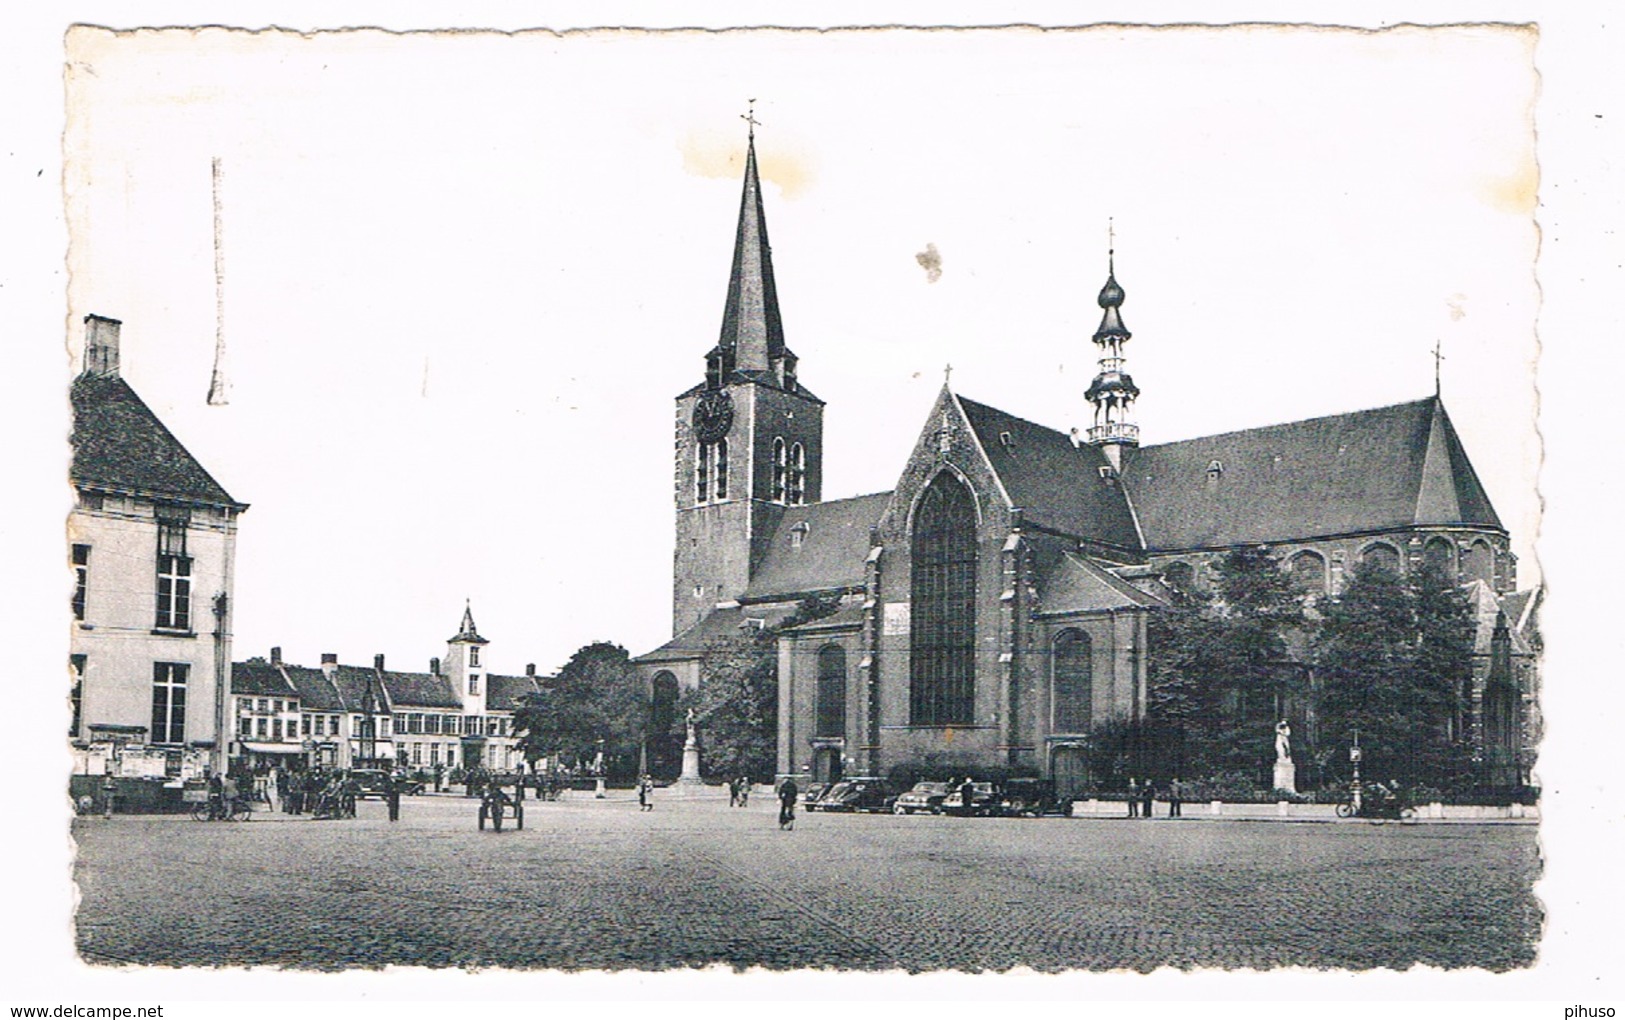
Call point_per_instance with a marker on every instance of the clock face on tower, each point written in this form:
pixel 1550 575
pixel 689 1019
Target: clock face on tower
pixel 713 416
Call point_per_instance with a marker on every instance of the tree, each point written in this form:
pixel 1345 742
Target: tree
pixel 736 706
pixel 598 695
pixel 1392 655
pixel 1220 665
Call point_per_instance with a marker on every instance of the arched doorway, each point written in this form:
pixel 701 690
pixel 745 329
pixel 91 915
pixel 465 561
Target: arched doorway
pixel 1069 767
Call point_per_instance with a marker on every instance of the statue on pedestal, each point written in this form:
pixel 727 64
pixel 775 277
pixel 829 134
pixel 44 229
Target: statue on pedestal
pixel 693 738
pixel 1283 741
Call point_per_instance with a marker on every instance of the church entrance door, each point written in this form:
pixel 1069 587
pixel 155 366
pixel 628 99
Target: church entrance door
pixel 827 765
pixel 1070 770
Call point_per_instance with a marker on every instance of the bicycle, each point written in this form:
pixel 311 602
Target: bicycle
pixel 212 810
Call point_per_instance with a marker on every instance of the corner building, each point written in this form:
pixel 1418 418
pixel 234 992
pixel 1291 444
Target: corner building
pixel 991 608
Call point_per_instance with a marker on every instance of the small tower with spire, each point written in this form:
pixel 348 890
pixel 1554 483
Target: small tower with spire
pixel 465 664
pixel 1113 391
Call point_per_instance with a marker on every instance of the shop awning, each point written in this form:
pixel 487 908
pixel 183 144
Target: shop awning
pixel 257 748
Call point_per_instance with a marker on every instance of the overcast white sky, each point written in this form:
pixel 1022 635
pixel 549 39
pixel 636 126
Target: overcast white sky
pixel 464 277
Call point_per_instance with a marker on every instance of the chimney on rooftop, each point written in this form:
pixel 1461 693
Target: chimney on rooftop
pixel 330 663
pixel 101 346
pixel 530 669
pixel 276 655
pixel 434 666
pixel 378 662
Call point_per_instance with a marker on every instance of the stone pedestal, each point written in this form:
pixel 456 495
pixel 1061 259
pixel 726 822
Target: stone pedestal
pixel 691 763
pixel 1286 776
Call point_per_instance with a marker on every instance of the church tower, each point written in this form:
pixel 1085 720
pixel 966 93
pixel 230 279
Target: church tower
pixel 1113 390
pixel 749 439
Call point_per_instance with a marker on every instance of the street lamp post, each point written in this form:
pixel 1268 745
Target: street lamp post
pixel 1354 784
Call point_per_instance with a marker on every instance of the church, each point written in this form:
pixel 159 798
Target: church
pixel 991 608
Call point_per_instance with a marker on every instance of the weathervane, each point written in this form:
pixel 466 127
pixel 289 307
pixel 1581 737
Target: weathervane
pixel 1438 360
pixel 749 117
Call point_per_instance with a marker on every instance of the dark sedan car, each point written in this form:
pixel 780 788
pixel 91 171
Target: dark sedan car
pixel 925 798
pixel 858 795
pixel 984 801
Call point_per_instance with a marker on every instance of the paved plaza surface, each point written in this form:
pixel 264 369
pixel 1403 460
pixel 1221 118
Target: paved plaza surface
pixel 598 884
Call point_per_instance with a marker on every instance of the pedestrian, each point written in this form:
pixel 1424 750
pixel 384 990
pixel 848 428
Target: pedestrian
pixel 733 793
pixel 1176 797
pixel 392 797
pixel 744 791
pixel 109 788
pixel 967 797
pixel 646 793
pixel 1133 798
pixel 1148 795
pixel 787 804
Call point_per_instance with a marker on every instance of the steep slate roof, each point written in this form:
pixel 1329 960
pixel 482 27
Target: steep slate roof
pixel 1390 467
pixel 258 677
pixel 832 551
pixel 1076 584
pixel 316 692
pixel 119 444
pixel 719 625
pixel 1056 483
pixel 503 693
pixel 419 690
pixel 844 618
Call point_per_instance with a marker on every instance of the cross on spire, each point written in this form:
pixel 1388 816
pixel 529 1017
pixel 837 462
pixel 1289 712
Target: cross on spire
pixel 749 117
pixel 947 374
pixel 1438 360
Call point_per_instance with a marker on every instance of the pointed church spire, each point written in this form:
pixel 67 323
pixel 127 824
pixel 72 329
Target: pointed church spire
pixel 752 337
pixel 1113 391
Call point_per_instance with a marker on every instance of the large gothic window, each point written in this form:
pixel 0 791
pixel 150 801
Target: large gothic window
pixel 1072 682
pixel 1439 556
pixel 722 469
pixel 1308 572
pixel 942 633
pixel 831 721
pixel 1381 554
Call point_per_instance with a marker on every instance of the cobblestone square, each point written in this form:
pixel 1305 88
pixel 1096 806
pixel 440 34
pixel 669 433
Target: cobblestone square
pixel 598 884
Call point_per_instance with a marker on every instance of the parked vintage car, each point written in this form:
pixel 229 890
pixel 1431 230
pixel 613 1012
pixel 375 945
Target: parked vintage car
pixel 1029 798
pixel 984 800
pixel 857 794
pixel 924 798
pixel 809 800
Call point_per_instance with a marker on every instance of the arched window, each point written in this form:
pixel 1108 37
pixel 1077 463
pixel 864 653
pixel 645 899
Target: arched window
pixel 798 475
pixel 1381 554
pixel 831 721
pixel 1479 564
pixel 702 472
pixel 1439 556
pixel 942 629
pixel 1308 572
pixel 778 469
pixel 722 468
pixel 664 746
pixel 1072 682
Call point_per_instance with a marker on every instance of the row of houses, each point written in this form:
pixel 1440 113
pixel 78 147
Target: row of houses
pixel 334 715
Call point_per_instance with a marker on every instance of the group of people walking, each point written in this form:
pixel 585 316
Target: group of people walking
pixel 739 792
pixel 1142 797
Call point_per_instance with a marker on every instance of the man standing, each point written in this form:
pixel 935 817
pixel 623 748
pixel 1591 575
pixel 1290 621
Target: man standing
pixel 787 803
pixel 1176 797
pixel 1148 796
pixel 1133 798
pixel 392 796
